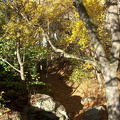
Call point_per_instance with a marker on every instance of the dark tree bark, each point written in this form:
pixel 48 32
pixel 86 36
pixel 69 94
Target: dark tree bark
pixel 109 66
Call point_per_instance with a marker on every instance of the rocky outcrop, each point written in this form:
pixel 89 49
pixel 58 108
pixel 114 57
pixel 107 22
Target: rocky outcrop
pixel 40 107
pixel 43 107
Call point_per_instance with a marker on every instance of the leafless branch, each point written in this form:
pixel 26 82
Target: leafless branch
pixel 10 64
pixel 66 55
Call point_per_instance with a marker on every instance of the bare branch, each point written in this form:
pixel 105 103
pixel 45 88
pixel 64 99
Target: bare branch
pixel 66 55
pixel 10 64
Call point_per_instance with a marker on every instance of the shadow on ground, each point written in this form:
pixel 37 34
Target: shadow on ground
pixel 60 91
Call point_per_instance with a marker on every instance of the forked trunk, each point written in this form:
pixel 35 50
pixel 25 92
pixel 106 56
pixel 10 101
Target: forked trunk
pixel 21 64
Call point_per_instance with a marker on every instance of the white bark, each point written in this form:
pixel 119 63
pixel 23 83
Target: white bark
pixel 10 64
pixel 108 68
pixel 20 61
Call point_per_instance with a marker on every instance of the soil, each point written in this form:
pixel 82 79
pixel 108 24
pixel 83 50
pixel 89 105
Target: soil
pixel 70 93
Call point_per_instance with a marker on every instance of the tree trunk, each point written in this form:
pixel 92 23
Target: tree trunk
pixel 21 64
pixel 112 93
pixel 108 67
pixel 109 73
pixel 22 72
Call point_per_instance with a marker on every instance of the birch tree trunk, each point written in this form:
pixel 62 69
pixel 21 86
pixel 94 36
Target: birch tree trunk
pixel 111 81
pixel 20 61
pixel 108 67
pixel 21 64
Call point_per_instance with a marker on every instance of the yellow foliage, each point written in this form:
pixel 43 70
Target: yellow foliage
pixel 79 34
pixel 58 14
pixel 39 14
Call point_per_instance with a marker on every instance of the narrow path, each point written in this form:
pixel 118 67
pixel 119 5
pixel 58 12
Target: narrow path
pixel 61 92
pixel 70 95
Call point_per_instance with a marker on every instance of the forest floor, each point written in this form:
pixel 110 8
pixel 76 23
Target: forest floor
pixel 70 93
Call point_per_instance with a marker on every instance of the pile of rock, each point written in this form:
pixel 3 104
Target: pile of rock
pixel 43 107
pixel 40 107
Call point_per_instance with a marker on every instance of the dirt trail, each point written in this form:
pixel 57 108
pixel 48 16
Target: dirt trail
pixel 70 94
pixel 60 91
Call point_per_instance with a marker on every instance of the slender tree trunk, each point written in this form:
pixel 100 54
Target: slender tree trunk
pixel 21 64
pixel 22 72
pixel 20 61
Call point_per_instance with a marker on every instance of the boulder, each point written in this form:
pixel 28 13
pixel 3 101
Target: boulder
pixel 95 113
pixel 43 107
pixel 33 113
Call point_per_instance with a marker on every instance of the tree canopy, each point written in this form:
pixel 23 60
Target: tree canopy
pixel 86 30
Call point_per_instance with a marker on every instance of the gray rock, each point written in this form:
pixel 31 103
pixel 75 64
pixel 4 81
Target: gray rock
pixel 46 103
pixel 94 113
pixel 34 113
pixel 88 99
